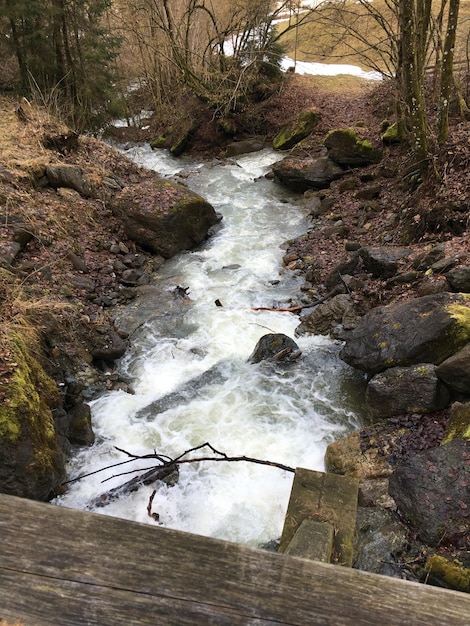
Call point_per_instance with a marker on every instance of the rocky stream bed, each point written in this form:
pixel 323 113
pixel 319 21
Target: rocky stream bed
pixel 83 231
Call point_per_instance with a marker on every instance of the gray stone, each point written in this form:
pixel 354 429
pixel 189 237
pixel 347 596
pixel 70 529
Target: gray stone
pixel 380 538
pixel 244 147
pixel 383 261
pixel 455 371
pixel 325 316
pixel 399 390
pixel 459 278
pixel 70 176
pixel 303 174
pixel 431 490
pixel 422 330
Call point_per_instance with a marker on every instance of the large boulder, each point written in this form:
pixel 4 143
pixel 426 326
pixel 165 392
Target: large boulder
pixel 423 330
pixel 347 148
pixel 164 216
pixel 31 459
pixel 431 492
pixel 297 130
pixel 303 174
pixel 398 390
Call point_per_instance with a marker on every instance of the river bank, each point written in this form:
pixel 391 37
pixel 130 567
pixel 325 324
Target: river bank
pixel 76 262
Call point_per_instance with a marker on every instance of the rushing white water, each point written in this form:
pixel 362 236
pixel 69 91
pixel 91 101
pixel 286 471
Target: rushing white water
pixel 287 414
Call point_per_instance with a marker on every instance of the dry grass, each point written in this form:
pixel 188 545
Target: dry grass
pixel 324 39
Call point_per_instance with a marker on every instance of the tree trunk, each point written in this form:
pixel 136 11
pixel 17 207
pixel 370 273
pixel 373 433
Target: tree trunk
pixel 447 72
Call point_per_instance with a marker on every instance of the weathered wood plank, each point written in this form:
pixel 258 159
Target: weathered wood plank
pixel 94 569
pixel 324 497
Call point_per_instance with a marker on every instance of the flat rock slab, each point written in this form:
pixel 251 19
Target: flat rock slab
pixel 324 498
pixel 313 540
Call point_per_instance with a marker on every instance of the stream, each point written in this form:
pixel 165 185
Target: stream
pixel 193 383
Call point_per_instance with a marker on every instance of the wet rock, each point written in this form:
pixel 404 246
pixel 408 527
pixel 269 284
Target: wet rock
pixel 423 330
pixel 326 316
pixel 380 539
pixel 303 174
pixel 455 371
pixel 431 490
pixel 106 344
pixel 275 347
pixel 399 390
pixel 80 430
pixel 70 176
pixel 383 261
pixel 345 147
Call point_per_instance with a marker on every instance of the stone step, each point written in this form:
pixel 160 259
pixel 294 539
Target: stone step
pixel 328 500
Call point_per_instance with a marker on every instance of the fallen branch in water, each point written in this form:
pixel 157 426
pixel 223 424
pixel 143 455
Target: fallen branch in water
pixel 165 468
pixel 291 309
pixel 342 288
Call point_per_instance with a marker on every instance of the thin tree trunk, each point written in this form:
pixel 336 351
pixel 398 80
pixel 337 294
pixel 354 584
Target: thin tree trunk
pixel 447 72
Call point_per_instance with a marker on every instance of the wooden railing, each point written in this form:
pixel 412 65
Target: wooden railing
pixel 65 567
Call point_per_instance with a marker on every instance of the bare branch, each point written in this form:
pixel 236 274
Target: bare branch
pixel 166 467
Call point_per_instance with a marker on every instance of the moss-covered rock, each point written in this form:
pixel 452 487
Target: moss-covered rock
pixel 298 130
pixel 458 426
pixel 345 147
pixel 181 143
pixel 390 135
pixel 158 143
pixel 448 573
pixel 163 216
pixel 31 462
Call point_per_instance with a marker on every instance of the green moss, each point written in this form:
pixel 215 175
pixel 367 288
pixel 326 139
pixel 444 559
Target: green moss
pixel 390 135
pixel 452 573
pixel 297 131
pixel 159 142
pixel 461 314
pixel 26 410
pixel 458 426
